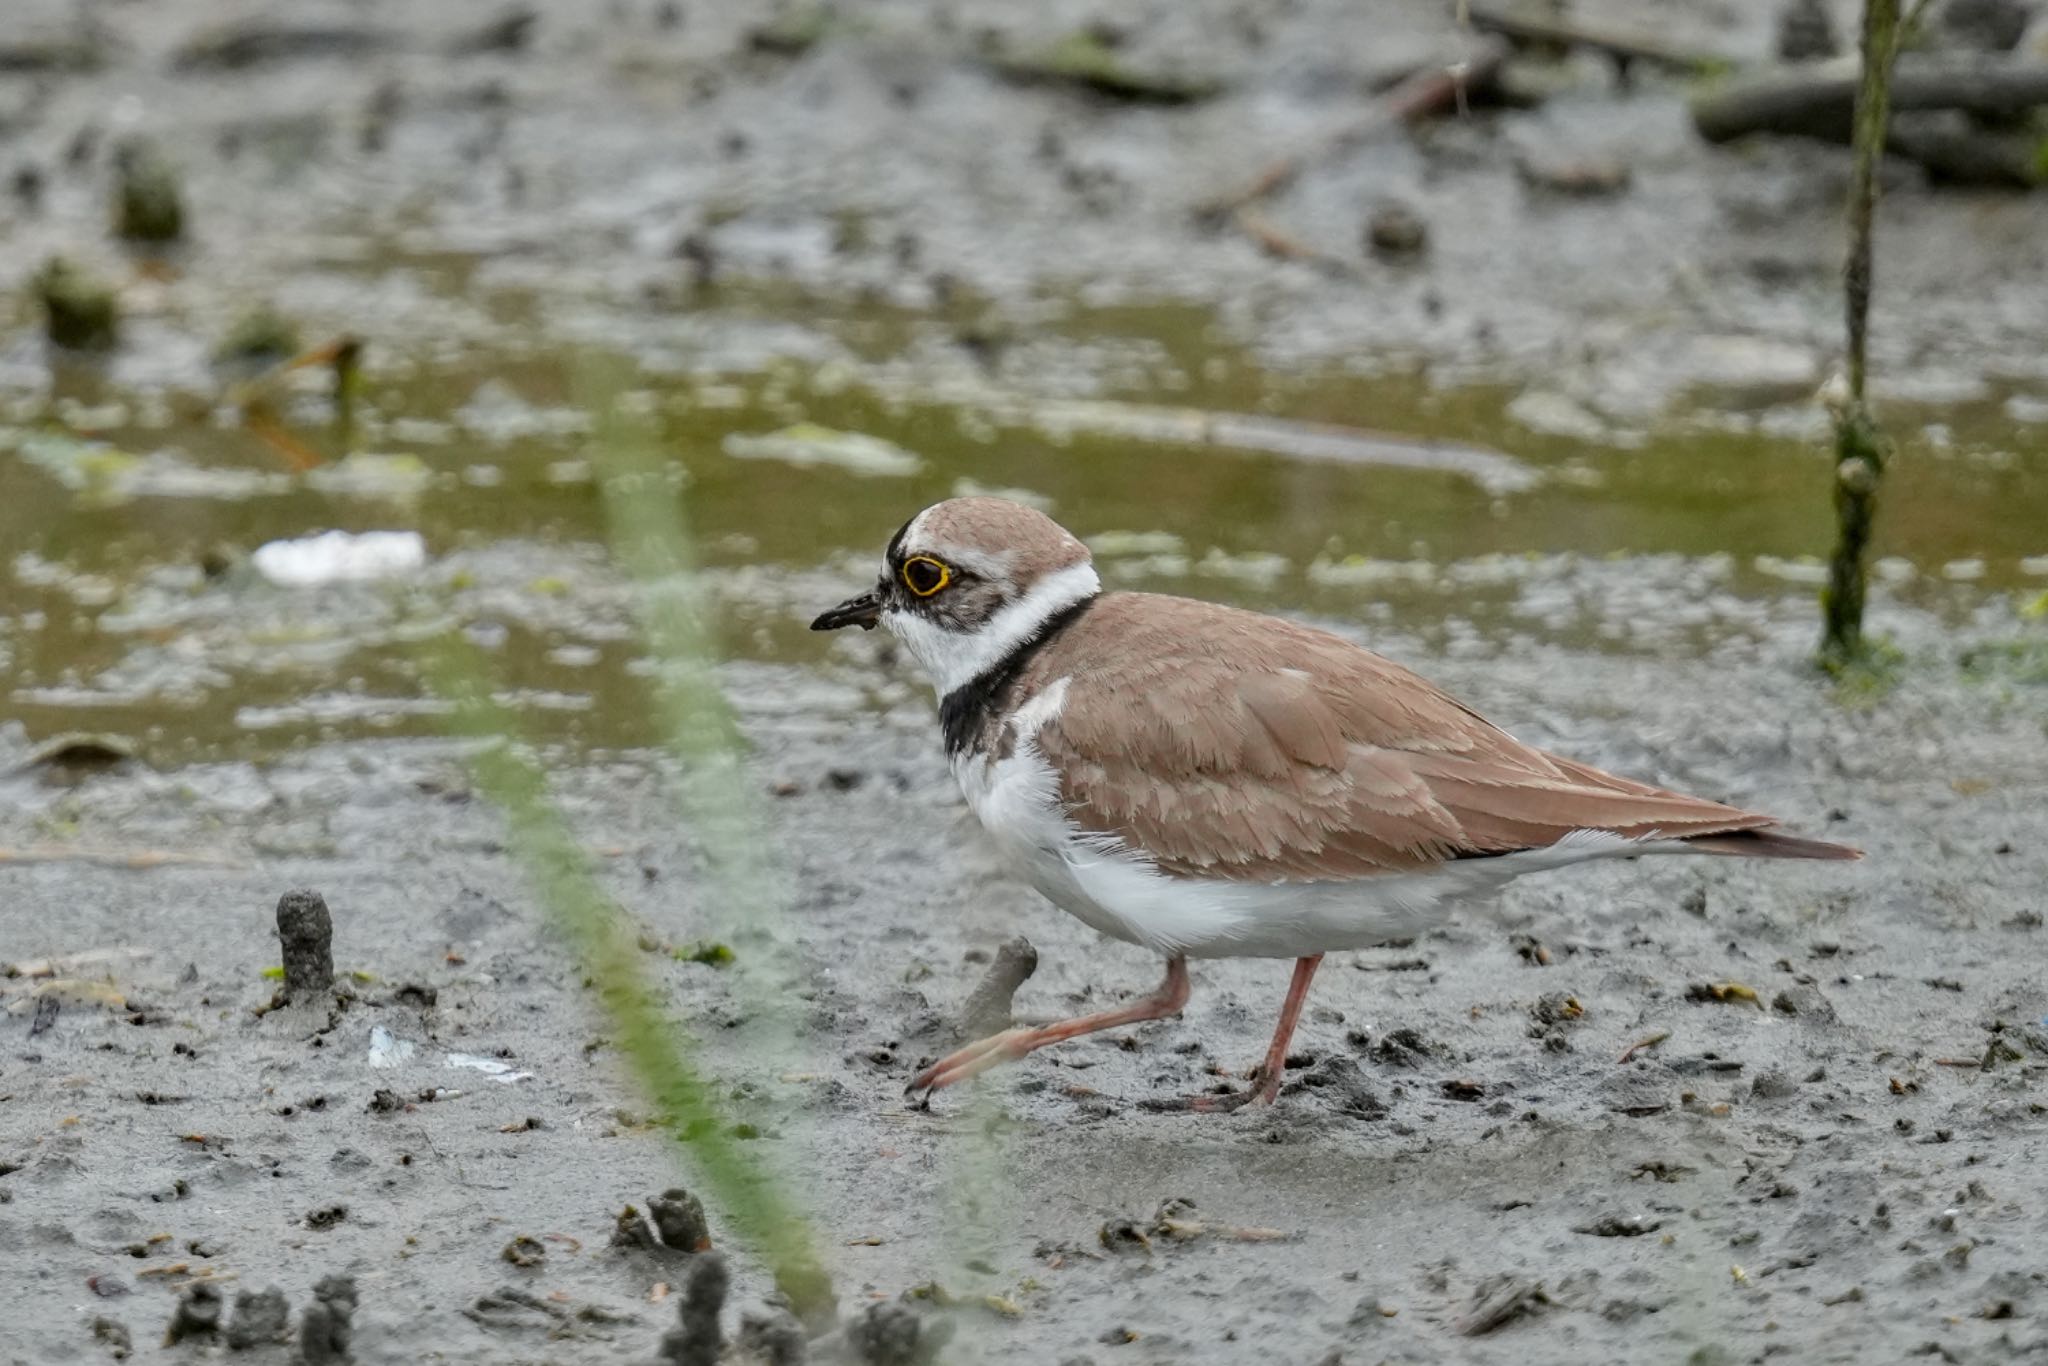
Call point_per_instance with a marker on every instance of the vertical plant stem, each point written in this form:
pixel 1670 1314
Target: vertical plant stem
pixel 1859 446
pixel 657 1053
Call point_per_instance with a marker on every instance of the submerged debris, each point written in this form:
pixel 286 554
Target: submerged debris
pixel 79 311
pixel 260 337
pixel 78 753
pixel 148 205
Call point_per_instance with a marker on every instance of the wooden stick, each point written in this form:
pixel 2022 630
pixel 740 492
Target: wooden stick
pixel 1820 102
pixel 1529 27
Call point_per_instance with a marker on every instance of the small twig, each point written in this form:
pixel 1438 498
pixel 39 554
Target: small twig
pixel 1431 90
pixel 296 454
pixel 1277 242
pixel 1628 1054
pixel 117 858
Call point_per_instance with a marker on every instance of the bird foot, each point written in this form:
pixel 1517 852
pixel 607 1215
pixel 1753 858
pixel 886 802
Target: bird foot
pixel 976 1057
pixel 1260 1092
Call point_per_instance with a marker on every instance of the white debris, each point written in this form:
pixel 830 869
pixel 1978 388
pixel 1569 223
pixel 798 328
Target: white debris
pixel 1804 569
pixel 2026 408
pixel 807 443
pixel 388 1051
pixel 340 557
pixel 1554 414
pixel 490 1067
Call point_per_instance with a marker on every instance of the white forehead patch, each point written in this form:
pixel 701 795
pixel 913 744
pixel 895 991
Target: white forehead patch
pixel 956 657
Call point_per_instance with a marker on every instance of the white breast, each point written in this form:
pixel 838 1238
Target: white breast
pixel 1118 891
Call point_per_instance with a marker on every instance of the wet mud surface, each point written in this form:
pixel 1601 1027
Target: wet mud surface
pixel 1844 1162
pixel 1578 482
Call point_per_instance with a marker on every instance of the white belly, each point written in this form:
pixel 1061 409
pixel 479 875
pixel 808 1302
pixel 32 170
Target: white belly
pixel 1121 894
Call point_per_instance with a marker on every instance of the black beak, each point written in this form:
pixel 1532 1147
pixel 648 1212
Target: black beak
pixel 863 611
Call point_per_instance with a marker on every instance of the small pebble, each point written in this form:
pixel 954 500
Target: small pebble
pixel 1395 230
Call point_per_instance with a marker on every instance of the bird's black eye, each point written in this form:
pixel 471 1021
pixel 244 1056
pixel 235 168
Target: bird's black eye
pixel 925 576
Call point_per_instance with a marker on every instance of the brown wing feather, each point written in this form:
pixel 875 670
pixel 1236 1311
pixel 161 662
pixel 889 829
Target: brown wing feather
pixel 1237 746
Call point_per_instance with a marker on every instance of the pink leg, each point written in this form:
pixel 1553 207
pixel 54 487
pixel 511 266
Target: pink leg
pixel 1015 1043
pixel 1267 1075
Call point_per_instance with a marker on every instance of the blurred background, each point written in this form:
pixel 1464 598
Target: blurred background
pixel 858 258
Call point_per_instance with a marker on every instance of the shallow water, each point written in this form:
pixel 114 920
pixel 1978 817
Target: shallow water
pixel 117 496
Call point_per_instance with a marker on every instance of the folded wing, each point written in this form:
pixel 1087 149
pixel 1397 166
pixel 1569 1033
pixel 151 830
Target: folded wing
pixel 1294 755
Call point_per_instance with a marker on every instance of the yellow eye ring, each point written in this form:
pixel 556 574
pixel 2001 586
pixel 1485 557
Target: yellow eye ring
pixel 925 576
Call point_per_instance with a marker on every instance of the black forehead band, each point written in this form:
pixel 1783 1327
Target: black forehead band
pixel 895 551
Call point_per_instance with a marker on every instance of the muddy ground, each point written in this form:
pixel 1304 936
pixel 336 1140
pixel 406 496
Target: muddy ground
pixel 877 231
pixel 614 154
pixel 1808 1174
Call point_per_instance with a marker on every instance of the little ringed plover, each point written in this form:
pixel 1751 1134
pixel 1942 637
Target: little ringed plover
pixel 1209 782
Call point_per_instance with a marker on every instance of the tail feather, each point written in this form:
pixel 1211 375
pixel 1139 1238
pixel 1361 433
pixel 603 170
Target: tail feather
pixel 1769 844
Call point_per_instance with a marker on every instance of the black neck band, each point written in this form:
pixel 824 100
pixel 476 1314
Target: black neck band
pixel 964 712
